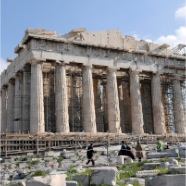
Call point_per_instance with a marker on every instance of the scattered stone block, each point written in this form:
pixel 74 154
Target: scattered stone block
pixel 161 155
pixel 120 160
pixel 166 180
pixel 177 170
pixel 165 164
pixel 71 183
pixel 146 173
pixel 151 166
pixel 104 175
pixel 82 178
pixel 49 153
pixel 50 180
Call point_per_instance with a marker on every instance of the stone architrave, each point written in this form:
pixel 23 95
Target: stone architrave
pixel 37 124
pixel 89 117
pixel 136 105
pixel 62 117
pixel 113 102
pixel 10 106
pixel 179 117
pixel 26 101
pixel 157 105
pixel 3 110
pixel 17 105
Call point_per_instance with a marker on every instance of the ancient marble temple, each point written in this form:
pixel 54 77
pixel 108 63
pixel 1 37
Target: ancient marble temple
pixel 92 82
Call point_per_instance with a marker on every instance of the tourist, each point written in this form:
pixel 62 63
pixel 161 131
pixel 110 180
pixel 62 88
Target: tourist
pixel 90 153
pixel 160 145
pixel 126 150
pixel 139 153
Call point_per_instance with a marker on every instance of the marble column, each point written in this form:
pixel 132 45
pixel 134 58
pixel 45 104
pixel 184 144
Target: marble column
pixel 179 117
pixel 98 105
pixel 26 100
pixel 89 117
pixel 37 124
pixel 136 105
pixel 121 105
pixel 157 105
pixel 17 104
pixel 3 109
pixel 113 102
pixel 61 98
pixel 10 106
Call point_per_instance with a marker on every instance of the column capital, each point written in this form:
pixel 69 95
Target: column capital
pixel 87 66
pixel 34 61
pixel 60 63
pixel 112 69
pixel 134 71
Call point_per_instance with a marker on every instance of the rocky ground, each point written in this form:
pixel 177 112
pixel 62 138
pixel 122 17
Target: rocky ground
pixel 110 169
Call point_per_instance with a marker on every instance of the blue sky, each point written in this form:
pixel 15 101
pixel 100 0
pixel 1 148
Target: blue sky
pixel 157 20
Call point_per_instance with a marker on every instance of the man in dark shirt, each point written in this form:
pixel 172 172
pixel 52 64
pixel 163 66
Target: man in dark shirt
pixel 90 153
pixel 126 150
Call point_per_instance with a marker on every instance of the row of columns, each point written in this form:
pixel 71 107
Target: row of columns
pixel 37 124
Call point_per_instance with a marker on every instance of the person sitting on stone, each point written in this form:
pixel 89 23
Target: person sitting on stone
pixel 126 150
pixel 90 153
pixel 160 145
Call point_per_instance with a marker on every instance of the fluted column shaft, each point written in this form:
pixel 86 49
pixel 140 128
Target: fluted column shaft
pixel 17 105
pixel 113 102
pixel 157 105
pixel 26 102
pixel 136 105
pixel 179 117
pixel 10 107
pixel 3 110
pixel 62 117
pixel 89 118
pixel 36 104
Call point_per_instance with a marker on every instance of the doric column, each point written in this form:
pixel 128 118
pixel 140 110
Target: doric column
pixel 62 117
pixel 37 124
pixel 17 105
pixel 98 105
pixel 89 118
pixel 10 106
pixel 157 105
pixel 179 117
pixel 121 105
pixel 3 109
pixel 136 106
pixel 113 102
pixel 26 100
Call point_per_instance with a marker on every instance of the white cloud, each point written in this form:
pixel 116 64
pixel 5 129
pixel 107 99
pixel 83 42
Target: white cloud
pixel 180 34
pixel 3 65
pixel 173 40
pixel 181 13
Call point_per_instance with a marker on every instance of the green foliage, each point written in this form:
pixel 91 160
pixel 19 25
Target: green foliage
pixel 162 171
pixel 39 173
pixel 129 170
pixel 32 163
pixel 70 172
pixel 180 160
pixel 136 183
pixel 87 172
pixel 163 159
pixel 60 159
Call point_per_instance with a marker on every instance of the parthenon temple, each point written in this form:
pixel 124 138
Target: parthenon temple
pixel 93 82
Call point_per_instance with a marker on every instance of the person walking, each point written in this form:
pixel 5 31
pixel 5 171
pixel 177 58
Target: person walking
pixel 90 153
pixel 139 152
